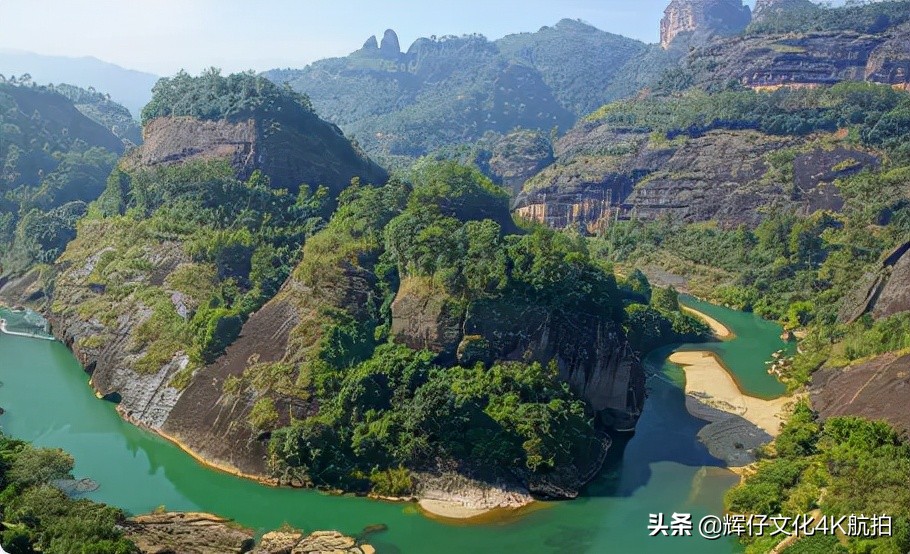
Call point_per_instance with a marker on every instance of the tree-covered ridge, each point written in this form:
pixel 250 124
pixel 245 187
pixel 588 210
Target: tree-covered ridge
pixel 100 108
pixel 39 517
pixel 842 466
pixel 213 96
pixel 381 409
pixel 220 247
pixel 857 15
pixel 54 161
pixel 876 115
pixel 451 90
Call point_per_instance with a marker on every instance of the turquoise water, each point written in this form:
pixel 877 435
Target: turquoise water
pixel 662 468
pixel 745 356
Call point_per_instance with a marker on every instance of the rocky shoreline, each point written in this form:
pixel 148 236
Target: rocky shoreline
pixel 201 533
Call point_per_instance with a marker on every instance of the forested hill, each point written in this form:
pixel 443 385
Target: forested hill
pixel 53 160
pixel 131 88
pixel 450 90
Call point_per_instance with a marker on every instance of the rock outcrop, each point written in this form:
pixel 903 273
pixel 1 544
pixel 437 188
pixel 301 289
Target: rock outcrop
pixel 875 389
pixel 704 17
pixel 601 174
pixel 187 533
pixel 213 423
pixel 320 542
pixel 883 293
pixel 300 151
pixel 199 533
pixel 390 47
pixel 591 352
pixel 104 341
pixel 766 61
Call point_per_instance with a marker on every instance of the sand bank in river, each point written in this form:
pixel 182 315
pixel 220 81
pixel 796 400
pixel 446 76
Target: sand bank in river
pixel 719 329
pixel 709 382
pixel 449 510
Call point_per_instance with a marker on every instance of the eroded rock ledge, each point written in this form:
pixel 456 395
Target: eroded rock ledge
pixel 200 533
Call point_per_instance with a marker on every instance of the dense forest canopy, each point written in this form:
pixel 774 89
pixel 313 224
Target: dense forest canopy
pixel 876 115
pixel 386 410
pixel 54 161
pixel 38 516
pixel 861 16
pixel 213 96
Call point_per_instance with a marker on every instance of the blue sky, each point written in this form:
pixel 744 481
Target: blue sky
pixel 163 36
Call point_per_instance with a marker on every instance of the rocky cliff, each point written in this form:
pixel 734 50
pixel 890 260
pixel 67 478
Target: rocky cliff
pixel 604 173
pixel 883 293
pixel 875 389
pixel 295 152
pixel 702 17
pixel 591 352
pixel 807 59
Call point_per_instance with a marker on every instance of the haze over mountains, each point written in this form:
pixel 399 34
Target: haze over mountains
pixel 129 87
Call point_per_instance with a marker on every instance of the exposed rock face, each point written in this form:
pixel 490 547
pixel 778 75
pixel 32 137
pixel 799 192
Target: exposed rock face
pixel 884 293
pixel 106 348
pixel 703 16
pixel 187 533
pixel 389 47
pixel 602 174
pixel 303 151
pixel 320 542
pixel 27 290
pixel 817 58
pixel 198 533
pixel 591 353
pixel 876 389
pixel 449 486
pixel 517 157
pixel 215 424
pixel 370 44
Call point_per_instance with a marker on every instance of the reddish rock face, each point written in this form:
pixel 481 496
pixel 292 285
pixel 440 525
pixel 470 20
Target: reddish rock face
pixel 710 16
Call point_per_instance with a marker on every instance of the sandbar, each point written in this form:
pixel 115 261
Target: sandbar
pixel 719 329
pixel 709 382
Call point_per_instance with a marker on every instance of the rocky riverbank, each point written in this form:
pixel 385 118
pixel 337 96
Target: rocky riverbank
pixel 200 533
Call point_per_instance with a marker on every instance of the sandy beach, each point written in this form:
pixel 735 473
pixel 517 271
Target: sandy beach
pixel 719 329
pixel 449 510
pixel 710 383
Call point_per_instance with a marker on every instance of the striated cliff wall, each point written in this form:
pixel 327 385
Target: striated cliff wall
pixel 306 150
pixel 724 175
pixel 814 58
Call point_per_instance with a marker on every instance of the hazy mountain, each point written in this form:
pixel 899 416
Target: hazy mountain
pixel 131 88
pixel 451 90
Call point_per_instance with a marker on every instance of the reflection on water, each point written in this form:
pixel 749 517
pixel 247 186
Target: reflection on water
pixel 662 468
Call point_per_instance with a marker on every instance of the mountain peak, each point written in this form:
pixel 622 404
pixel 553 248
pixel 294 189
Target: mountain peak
pixel 703 16
pixel 390 45
pixel 371 44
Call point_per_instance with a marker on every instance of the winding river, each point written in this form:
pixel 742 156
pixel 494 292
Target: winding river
pixel 662 468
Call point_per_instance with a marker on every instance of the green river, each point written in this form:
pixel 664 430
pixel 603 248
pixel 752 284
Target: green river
pixel 662 468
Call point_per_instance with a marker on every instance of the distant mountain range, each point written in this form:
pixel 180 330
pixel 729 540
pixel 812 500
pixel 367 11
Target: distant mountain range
pixel 131 88
pixel 451 90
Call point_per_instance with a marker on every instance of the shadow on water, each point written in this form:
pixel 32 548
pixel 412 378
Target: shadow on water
pixel 666 432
